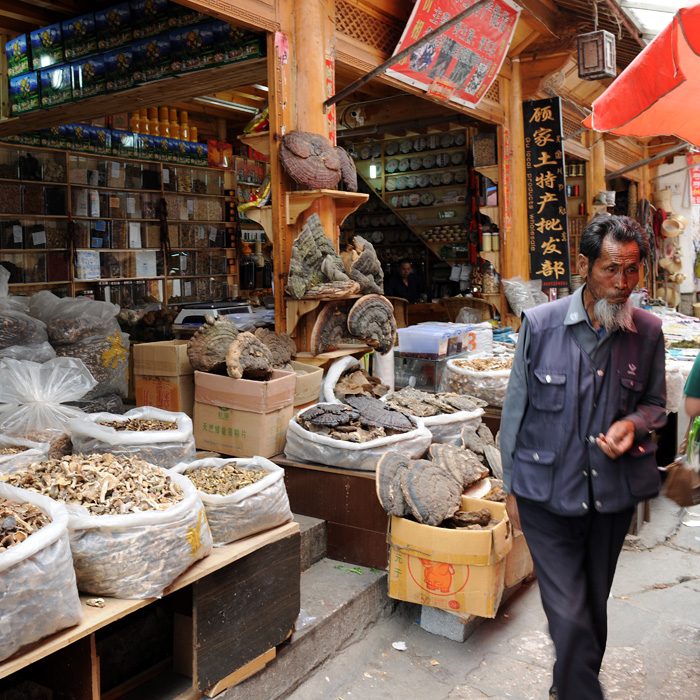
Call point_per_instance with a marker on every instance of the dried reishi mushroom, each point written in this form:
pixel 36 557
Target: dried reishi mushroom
pixel 372 319
pixel 376 413
pixel 347 169
pixel 471 520
pixel 367 270
pixel 330 328
pixel 327 414
pixel 281 346
pixel 248 357
pixel 388 482
pixel 431 493
pixel 207 348
pixel 463 464
pixel 333 290
pixel 310 160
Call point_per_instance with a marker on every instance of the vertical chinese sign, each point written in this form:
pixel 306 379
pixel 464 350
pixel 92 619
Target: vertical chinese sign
pixel 694 174
pixel 461 64
pixel 547 221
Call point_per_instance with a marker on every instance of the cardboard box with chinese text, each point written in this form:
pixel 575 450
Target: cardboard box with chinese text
pixel 169 393
pixel 457 570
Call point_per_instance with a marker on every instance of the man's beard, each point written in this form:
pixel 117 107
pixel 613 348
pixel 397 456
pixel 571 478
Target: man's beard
pixel 614 317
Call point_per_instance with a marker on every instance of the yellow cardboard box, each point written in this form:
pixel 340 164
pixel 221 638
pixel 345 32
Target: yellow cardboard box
pixel 518 561
pixel 308 387
pixel 457 570
pixel 165 358
pixel 240 433
pixel 169 393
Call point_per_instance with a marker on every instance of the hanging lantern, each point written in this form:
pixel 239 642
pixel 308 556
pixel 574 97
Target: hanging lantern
pixel 596 55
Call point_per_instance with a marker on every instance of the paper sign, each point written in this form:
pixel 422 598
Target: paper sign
pixel 188 289
pixel 200 233
pixel 694 174
pixel 130 205
pixel 212 233
pixel 17 234
pixel 39 238
pixel 190 206
pixel 114 202
pixel 460 64
pixel 166 176
pixel 116 167
pixel 134 235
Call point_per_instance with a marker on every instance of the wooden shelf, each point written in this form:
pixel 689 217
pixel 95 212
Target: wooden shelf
pixel 345 203
pixel 259 142
pixel 262 216
pixel 172 88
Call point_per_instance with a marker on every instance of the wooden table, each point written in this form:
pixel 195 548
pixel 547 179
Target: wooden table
pixel 233 608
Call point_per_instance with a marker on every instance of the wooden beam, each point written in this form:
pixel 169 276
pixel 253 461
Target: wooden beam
pixel 542 16
pixel 26 13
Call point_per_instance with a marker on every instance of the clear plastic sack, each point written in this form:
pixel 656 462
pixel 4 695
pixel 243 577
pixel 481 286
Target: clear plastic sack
pixel 254 508
pixel 39 352
pixel 138 555
pixel 17 327
pixel 519 294
pixel 37 581
pixel 32 452
pixel 109 403
pixel 164 448
pixel 489 385
pixel 33 397
pixel 4 282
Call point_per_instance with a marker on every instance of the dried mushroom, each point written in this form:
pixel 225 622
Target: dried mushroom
pixel 371 318
pixel 248 357
pixel 432 494
pixel 306 268
pixel 330 328
pixel 347 169
pixel 388 482
pixel 11 450
pixel 327 414
pixel 367 270
pixel 310 160
pixel 463 464
pixel 425 404
pixel 224 480
pixel 356 380
pixel 104 483
pixel 332 290
pixel 281 346
pixel 140 424
pixel 476 439
pixel 207 348
pixel 373 412
pixel 18 521
pixel 471 520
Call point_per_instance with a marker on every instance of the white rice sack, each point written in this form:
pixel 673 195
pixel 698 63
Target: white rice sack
pixel 313 447
pixel 138 555
pixel 164 448
pixel 333 374
pixel 32 452
pixel 37 582
pixel 254 508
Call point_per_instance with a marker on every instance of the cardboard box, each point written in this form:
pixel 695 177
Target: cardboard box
pixel 149 17
pixel 457 570
pixel 118 71
pixel 151 58
pixel 192 47
pixel 169 393
pixel 518 561
pixel 24 92
pixel 88 77
pixel 79 36
pixel 308 386
pixel 246 394
pixel 240 433
pixel 113 26
pixel 17 52
pixel 55 85
pixel 167 358
pixel 47 46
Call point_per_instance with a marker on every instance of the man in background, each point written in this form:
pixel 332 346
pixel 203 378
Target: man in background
pixel 406 284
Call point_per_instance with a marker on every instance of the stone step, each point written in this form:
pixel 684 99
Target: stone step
pixel 313 539
pixel 339 603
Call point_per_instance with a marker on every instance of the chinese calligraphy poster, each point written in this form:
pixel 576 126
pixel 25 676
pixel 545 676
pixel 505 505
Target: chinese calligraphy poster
pixel 547 220
pixel 694 174
pixel 462 63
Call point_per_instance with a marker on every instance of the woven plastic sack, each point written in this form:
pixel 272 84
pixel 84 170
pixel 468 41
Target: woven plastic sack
pixel 138 555
pixel 37 581
pixel 33 452
pixel 164 448
pixel 490 385
pixel 33 396
pixel 314 447
pixel 254 508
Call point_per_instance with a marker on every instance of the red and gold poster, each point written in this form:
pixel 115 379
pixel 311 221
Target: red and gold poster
pixel 461 64
pixel 694 174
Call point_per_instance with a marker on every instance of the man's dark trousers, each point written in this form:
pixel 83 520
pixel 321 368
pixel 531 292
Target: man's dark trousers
pixel 575 560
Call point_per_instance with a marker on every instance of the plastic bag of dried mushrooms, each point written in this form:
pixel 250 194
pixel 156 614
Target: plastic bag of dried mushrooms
pixel 37 581
pixel 17 327
pixel 87 329
pixel 16 453
pixel 33 397
pixel 163 438
pixel 241 496
pixel 484 377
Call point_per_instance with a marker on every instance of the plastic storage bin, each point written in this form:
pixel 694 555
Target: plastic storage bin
pixel 419 373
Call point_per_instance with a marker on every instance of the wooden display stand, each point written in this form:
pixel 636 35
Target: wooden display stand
pixel 232 609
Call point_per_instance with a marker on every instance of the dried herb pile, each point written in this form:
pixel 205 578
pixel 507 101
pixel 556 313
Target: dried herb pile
pixel 139 424
pixel 224 480
pixel 18 521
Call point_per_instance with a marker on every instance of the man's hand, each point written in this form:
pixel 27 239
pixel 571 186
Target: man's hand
pixel 618 439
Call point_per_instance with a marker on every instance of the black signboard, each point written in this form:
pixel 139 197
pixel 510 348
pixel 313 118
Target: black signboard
pixel 547 222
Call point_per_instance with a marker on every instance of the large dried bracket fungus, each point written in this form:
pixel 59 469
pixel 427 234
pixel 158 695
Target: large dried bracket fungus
pixel 425 404
pixel 367 270
pixel 248 357
pixel 375 413
pixel 372 319
pixel 207 348
pixel 332 290
pixel 310 160
pixel 281 346
pixel 308 267
pixel 462 464
pixel 431 494
pixel 347 169
pixel 388 482
pixel 330 415
pixel 330 328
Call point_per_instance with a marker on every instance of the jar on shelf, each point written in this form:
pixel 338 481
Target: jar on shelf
pixel 489 280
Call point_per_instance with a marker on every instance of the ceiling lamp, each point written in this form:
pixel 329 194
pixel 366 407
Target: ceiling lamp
pixel 596 52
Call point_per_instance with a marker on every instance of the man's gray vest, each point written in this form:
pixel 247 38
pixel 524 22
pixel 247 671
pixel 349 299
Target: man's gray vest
pixel 557 462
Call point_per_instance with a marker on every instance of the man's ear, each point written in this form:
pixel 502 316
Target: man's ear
pixel 583 265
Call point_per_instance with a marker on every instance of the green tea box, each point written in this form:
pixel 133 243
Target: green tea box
pixel 125 144
pixel 234 44
pixel 151 58
pixel 149 17
pixel 55 85
pixel 17 52
pixel 101 140
pixel 192 47
pixel 183 16
pixel 88 77
pixel 79 36
pixel 118 68
pixel 46 46
pixel 24 92
pixel 113 26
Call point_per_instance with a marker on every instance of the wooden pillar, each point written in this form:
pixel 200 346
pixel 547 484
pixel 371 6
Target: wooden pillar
pixel 595 173
pixel 516 260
